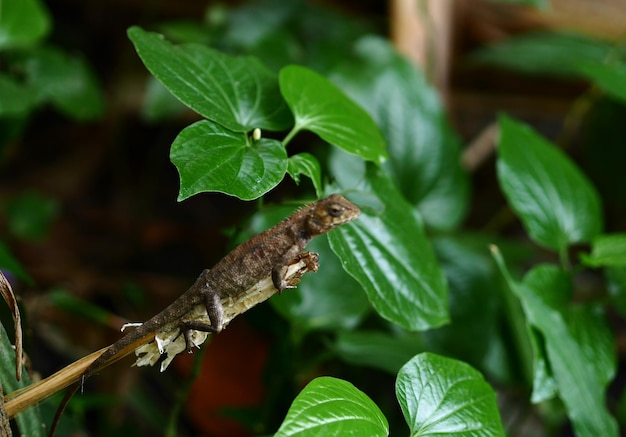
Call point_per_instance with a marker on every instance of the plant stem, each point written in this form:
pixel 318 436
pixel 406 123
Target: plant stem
pixel 182 394
pixel 291 134
pixel 564 258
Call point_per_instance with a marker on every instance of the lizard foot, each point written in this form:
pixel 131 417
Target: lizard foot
pixel 186 326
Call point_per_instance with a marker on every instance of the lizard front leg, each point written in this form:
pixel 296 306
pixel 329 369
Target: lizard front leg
pixel 215 312
pixel 278 277
pixel 279 272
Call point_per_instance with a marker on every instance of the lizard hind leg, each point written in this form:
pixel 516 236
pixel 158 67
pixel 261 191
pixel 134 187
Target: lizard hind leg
pixel 214 311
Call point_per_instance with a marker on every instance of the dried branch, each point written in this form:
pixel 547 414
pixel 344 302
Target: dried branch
pixel 147 348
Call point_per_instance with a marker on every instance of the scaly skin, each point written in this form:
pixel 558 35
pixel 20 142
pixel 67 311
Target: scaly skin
pixel 266 253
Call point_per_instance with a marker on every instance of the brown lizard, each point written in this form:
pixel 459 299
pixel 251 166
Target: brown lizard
pixel 269 252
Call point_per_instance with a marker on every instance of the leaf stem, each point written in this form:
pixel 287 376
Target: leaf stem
pixel 564 258
pixel 182 394
pixel 291 134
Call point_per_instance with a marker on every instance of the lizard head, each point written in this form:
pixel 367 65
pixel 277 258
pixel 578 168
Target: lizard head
pixel 331 212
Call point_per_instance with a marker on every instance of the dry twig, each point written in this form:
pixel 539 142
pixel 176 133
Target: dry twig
pixel 22 399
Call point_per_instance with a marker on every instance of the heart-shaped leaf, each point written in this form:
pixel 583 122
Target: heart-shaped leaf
pixel 236 92
pixel 308 165
pixel 320 107
pixel 424 150
pixel 554 199
pixel 390 256
pixel 210 157
pixel 332 407
pixel 441 396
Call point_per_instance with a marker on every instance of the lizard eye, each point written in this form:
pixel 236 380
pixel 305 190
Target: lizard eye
pixel 335 210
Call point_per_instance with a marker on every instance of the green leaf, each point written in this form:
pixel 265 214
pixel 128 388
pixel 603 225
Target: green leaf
pixel 380 350
pixel 320 107
pixel 159 103
pixel 71 304
pixel 15 98
pixel 30 215
pixel 22 23
pixel 281 33
pixel 558 54
pixel 441 396
pixel 29 422
pixel 347 170
pixel 328 299
pixel 308 165
pixel 580 350
pixel 211 158
pixel 556 202
pixel 544 385
pixel 332 407
pixel 591 331
pixel 586 324
pixel 562 54
pixel 607 250
pixel 423 148
pixel 236 92
pixel 252 22
pixel 392 259
pixel 578 344
pixel 610 77
pixel 66 81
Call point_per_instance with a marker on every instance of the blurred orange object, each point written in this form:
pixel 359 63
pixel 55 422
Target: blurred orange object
pixel 231 377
